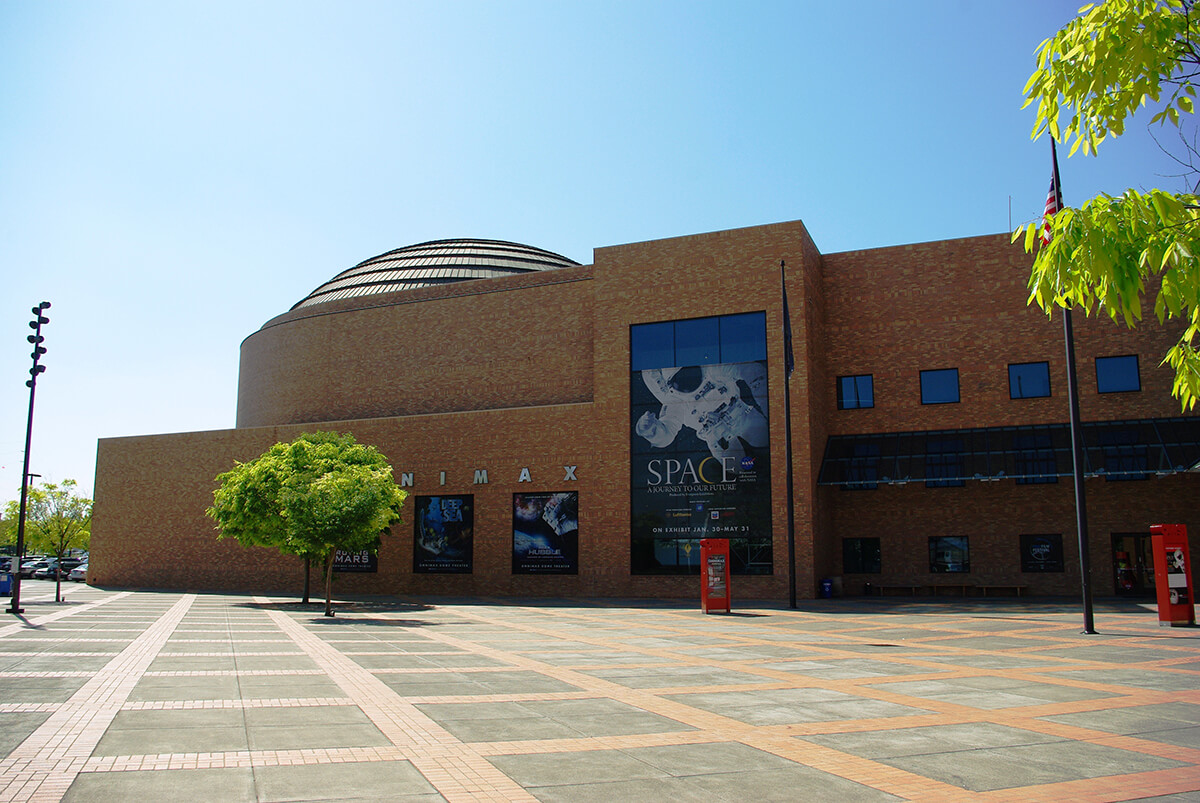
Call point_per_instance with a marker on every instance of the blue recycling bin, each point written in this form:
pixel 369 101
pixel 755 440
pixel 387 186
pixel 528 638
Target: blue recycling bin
pixel 827 588
pixel 5 584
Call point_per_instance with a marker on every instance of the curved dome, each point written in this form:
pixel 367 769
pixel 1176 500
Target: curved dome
pixel 432 263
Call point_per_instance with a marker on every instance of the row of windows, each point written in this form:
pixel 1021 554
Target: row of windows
pixel 952 554
pixel 1026 380
pixel 1035 460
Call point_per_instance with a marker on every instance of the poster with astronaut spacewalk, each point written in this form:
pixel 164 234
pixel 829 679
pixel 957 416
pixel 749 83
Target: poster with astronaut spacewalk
pixel 700 464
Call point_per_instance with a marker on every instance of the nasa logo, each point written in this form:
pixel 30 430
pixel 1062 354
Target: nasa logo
pixel 747 463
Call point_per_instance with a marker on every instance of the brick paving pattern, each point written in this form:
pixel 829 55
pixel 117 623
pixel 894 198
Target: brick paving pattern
pixel 117 695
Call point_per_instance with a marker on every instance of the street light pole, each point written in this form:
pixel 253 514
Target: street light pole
pixel 38 350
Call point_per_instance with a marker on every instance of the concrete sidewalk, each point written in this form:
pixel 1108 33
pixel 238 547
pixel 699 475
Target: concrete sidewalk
pixel 123 696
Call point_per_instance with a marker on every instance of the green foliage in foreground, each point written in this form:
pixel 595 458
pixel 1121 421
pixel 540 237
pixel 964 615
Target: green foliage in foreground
pixel 311 497
pixel 1104 65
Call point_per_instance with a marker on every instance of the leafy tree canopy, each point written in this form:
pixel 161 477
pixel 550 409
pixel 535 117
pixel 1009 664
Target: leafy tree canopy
pixel 56 521
pixel 311 497
pixel 1104 65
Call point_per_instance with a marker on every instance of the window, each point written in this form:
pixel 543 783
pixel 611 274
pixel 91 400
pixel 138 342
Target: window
pixel 1125 456
pixel 944 463
pixel 949 553
pixel 1117 374
pixel 860 556
pixel 1041 553
pixel 699 341
pixel 939 387
pixel 855 392
pixel 862 473
pixel 1028 380
pixel 1035 462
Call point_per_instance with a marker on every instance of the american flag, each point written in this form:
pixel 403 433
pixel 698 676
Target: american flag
pixel 1054 201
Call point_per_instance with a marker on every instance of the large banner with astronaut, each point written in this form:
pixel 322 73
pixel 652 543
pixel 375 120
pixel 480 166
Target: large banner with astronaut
pixel 546 533
pixel 700 465
pixel 444 535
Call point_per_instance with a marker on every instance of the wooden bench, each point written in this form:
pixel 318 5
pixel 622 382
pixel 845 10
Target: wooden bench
pixel 1016 590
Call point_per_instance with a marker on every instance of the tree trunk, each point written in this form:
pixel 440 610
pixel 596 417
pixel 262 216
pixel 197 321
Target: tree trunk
pixel 307 572
pixel 58 583
pixel 329 583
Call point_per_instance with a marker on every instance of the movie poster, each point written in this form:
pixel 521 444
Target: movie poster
pixel 444 534
pixel 363 561
pixel 546 533
pixel 701 466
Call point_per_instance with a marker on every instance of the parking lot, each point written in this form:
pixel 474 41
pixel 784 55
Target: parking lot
pixel 129 695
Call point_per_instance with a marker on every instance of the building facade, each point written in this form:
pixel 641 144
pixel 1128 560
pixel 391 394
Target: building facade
pixel 573 430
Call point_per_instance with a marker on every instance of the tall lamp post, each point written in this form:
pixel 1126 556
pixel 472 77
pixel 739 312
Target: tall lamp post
pixel 38 350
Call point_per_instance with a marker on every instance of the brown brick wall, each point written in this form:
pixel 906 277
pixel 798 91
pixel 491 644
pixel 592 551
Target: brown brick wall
pixel 533 371
pixel 509 342
pixel 893 312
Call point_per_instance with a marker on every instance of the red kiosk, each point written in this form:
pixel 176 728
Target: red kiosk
pixel 1173 575
pixel 714 575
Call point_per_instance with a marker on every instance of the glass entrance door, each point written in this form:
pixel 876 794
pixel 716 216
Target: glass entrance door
pixel 1133 564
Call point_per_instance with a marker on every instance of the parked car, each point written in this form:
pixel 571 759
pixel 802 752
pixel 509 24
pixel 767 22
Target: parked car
pixel 79 573
pixel 32 565
pixel 46 570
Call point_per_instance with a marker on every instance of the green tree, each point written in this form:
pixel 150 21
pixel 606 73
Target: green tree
pixel 311 497
pixel 57 520
pixel 1113 252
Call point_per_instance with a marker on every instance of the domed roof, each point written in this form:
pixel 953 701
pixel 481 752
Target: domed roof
pixel 433 263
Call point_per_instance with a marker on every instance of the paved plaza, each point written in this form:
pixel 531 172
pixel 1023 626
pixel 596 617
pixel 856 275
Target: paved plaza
pixel 143 696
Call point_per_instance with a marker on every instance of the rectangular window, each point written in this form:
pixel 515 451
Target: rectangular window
pixel 1125 456
pixel 939 387
pixel 742 337
pixel 652 345
pixel 1117 374
pixel 1028 380
pixel 698 341
pixel 862 473
pixel 861 556
pixel 1034 460
pixel 949 553
pixel 855 392
pixel 944 463
pixel 1041 553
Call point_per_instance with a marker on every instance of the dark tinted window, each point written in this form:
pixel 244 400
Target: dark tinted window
pixel 652 345
pixel 949 553
pixel 944 463
pixel 1029 380
pixel 855 392
pixel 1117 374
pixel 861 556
pixel 699 341
pixel 939 387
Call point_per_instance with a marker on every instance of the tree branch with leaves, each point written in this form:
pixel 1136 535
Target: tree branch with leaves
pixel 1109 254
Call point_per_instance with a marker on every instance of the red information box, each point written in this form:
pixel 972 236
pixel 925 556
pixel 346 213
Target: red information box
pixel 1173 575
pixel 714 575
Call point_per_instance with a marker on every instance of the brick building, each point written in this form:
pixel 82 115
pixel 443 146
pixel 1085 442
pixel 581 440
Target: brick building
pixel 572 430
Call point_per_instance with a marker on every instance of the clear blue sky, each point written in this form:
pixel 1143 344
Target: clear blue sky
pixel 173 174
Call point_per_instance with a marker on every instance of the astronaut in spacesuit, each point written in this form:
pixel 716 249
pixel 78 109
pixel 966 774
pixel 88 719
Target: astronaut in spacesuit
pixel 720 402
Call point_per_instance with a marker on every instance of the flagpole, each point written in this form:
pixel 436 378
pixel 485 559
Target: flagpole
pixel 789 365
pixel 1054 203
